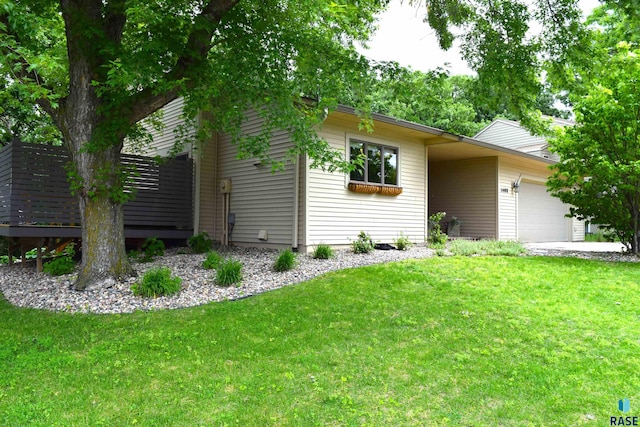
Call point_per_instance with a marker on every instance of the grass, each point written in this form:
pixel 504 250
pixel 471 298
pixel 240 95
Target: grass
pixel 521 341
pixel 485 247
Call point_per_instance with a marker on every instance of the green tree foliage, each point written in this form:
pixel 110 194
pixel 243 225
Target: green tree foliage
pixel 432 98
pixel 23 121
pixel 499 41
pixel 600 170
pixel 458 104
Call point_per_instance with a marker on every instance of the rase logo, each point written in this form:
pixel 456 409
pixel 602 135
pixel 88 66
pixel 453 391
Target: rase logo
pixel 624 405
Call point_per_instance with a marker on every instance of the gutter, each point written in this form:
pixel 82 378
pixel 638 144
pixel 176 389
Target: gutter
pixel 439 132
pixel 296 204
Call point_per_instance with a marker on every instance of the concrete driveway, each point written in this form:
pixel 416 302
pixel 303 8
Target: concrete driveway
pixel 576 246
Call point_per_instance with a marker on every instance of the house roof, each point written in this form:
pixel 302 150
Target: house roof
pixel 445 145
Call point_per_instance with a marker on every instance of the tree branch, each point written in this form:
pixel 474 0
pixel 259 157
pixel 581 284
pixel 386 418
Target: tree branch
pixel 115 20
pixel 198 44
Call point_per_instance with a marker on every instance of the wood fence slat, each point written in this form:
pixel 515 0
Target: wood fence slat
pixel 34 189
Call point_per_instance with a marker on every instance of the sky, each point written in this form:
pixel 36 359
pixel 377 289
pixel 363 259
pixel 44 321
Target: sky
pixel 404 38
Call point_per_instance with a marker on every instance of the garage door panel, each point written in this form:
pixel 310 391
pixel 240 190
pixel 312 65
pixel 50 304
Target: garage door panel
pixel 541 217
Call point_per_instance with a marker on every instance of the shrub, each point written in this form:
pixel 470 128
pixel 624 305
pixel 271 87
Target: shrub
pixel 63 264
pixel 59 266
pixel 286 261
pixel 436 238
pixel 200 243
pixel 364 244
pixel 157 282
pixel 212 261
pixel 229 272
pixel 323 251
pixel 151 248
pixel 133 255
pixel 402 242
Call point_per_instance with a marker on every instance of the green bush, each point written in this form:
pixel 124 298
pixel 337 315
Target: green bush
pixel 229 272
pixel 63 264
pixel 363 245
pixel 157 282
pixel 402 242
pixel 133 255
pixel 151 248
pixel 286 261
pixel 200 243
pixel 59 266
pixel 323 251
pixel 212 261
pixel 436 238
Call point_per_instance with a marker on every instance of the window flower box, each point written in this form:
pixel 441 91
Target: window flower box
pixel 373 189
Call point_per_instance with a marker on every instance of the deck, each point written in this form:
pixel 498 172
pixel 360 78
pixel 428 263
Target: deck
pixel 36 202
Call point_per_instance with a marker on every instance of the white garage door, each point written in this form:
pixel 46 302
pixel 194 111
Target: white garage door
pixel 540 215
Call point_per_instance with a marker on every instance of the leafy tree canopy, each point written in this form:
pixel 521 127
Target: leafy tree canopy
pixel 222 56
pixel 23 121
pixel 600 170
pixel 457 104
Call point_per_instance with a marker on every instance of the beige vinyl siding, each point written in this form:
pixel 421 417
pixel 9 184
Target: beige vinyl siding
pixel 164 140
pixel 260 199
pixel 508 172
pixel 508 134
pixel 466 189
pixel 208 186
pixel 335 215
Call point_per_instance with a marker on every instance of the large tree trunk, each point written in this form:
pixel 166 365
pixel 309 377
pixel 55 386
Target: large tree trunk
pixel 93 134
pixel 104 257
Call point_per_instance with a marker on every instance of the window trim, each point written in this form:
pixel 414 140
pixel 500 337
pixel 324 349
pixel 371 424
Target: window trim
pixel 382 146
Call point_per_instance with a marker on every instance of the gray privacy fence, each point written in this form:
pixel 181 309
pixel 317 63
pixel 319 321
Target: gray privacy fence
pixel 34 191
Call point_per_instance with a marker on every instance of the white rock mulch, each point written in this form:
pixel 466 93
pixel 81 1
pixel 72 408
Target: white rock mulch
pixel 27 288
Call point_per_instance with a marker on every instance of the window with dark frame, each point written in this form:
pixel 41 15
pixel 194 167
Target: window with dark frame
pixel 380 163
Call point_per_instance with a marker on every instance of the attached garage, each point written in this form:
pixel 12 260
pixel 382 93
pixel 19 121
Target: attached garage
pixel 541 217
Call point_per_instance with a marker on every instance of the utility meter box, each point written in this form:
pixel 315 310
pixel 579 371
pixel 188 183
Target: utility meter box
pixel 225 186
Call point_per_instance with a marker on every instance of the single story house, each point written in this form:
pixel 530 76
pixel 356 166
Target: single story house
pixel 412 172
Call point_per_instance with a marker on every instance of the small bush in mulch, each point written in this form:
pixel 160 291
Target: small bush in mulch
pixel 229 272
pixel 157 282
pixel 286 261
pixel 323 251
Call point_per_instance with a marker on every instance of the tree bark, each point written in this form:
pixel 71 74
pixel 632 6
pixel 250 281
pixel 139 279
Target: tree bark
pixel 104 259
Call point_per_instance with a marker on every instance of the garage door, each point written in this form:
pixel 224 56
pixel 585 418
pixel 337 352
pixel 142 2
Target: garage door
pixel 541 216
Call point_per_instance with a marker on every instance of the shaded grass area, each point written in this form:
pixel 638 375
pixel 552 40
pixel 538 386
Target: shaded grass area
pixel 443 341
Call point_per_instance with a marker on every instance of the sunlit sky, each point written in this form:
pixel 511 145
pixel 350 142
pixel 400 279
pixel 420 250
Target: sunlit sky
pixel 404 38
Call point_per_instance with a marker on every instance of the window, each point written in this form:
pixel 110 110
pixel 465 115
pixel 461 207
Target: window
pixel 380 163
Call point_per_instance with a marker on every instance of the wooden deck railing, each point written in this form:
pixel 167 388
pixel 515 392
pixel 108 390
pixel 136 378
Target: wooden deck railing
pixel 34 191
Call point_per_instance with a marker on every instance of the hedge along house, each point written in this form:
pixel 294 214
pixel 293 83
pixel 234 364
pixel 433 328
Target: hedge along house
pixel 412 171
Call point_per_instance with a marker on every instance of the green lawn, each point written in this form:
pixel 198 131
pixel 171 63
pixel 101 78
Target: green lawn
pixel 523 341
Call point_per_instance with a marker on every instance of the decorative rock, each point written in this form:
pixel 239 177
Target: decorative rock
pixel 27 288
